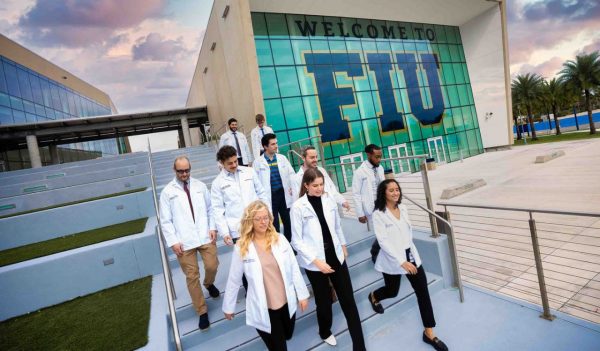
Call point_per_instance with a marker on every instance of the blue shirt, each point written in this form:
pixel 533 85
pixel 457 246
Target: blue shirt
pixel 276 183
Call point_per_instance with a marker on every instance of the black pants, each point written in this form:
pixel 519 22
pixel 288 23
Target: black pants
pixel 280 209
pixel 244 280
pixel 419 284
pixel 343 288
pixel 282 328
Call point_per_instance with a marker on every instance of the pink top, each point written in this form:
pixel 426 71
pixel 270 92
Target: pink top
pixel 274 287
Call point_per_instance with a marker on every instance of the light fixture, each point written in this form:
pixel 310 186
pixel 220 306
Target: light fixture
pixel 213 46
pixel 226 11
pixel 488 115
pixel 205 70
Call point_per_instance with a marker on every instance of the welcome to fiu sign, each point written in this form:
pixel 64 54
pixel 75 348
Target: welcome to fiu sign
pixel 324 67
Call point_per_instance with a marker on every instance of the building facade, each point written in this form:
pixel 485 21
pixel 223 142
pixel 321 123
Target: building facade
pixel 34 90
pixel 348 74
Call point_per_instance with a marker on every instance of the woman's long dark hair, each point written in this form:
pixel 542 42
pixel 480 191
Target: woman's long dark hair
pixel 380 200
pixel 309 176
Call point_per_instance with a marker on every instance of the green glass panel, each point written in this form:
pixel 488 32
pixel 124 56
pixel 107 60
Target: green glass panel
pixel 472 140
pixel 365 104
pixel 276 25
pixel 319 45
pixel 457 118
pixel 263 53
pixel 369 46
pixel 448 73
pixel 440 34
pixel 311 108
pixel 448 121
pixel 451 35
pixel 298 134
pixel 453 95
pixel 427 131
pixel 474 114
pixel 288 82
pixel 319 32
pixel 357 142
pixel 282 52
pixel 351 112
pixel 299 48
pixel 452 147
pixel 383 47
pixel 337 46
pixel 463 143
pixel 294 112
pixel 463 96
pixel 414 127
pixel 455 56
pixel 458 73
pixel 259 26
pixel 268 82
pixel 404 102
pixel 307 84
pixel 461 53
pixel 293 26
pixel 445 56
pixel 274 115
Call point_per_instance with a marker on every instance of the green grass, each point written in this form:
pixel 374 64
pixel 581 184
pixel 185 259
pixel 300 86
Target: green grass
pixel 555 138
pixel 112 319
pixel 69 242
pixel 74 202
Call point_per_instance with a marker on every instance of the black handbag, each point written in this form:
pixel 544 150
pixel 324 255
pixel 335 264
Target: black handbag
pixel 375 248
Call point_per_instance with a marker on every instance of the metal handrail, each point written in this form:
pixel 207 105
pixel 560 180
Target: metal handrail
pixel 321 150
pixel 521 209
pixel 391 159
pixel 164 260
pixel 534 240
pixel 451 244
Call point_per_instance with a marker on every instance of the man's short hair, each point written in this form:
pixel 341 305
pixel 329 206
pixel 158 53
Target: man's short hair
pixel 231 120
pixel 371 147
pixel 179 158
pixel 266 139
pixel 226 152
pixel 305 150
pixel 260 117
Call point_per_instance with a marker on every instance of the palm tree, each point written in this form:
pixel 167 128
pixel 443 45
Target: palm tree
pixel 583 74
pixel 516 120
pixel 553 93
pixel 526 89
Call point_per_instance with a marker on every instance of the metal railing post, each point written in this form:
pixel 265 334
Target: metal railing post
pixel 164 260
pixel 540 270
pixel 454 256
pixel 427 190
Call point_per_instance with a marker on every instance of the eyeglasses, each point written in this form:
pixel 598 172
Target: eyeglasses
pixel 182 171
pixel 261 219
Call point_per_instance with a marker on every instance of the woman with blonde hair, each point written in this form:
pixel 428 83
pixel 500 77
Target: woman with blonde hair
pixel 275 283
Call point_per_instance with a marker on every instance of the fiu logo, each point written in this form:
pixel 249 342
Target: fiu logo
pixel 324 67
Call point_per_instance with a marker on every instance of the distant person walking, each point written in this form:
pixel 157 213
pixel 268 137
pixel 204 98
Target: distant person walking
pixel 188 225
pixel 257 134
pixel 238 141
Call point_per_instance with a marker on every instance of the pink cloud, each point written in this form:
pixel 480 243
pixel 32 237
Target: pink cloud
pixel 154 47
pixel 79 23
pixel 547 69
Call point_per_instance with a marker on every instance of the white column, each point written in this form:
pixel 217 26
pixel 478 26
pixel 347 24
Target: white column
pixel 185 128
pixel 34 151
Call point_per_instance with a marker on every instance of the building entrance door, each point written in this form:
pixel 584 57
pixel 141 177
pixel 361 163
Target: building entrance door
pixel 399 166
pixel 437 149
pixel 348 170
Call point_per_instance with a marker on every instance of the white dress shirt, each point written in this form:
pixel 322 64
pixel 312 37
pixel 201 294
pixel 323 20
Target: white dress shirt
pixel 229 139
pixel 256 136
pixel 365 180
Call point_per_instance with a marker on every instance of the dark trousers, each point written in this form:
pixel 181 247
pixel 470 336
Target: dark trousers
pixel 343 288
pixel 282 328
pixel 280 210
pixel 244 280
pixel 419 284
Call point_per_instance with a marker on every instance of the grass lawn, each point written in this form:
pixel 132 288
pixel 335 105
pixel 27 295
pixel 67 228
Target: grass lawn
pixel 554 138
pixel 74 202
pixel 48 247
pixel 112 319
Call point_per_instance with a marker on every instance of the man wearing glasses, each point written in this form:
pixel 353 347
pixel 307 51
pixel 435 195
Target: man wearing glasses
pixel 188 225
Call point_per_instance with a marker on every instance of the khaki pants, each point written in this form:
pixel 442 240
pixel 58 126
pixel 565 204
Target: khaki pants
pixel 189 265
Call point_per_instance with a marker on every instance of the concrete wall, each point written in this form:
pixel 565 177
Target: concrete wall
pixel 50 224
pixel 482 43
pixel 46 281
pixel 15 204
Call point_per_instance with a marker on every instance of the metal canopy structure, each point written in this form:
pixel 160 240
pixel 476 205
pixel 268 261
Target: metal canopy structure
pixel 100 127
pixel 34 135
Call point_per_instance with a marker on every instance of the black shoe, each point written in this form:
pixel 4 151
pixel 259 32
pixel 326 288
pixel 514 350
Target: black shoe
pixel 203 323
pixel 437 344
pixel 213 291
pixel 375 305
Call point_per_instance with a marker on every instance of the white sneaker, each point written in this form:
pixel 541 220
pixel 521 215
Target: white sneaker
pixel 331 340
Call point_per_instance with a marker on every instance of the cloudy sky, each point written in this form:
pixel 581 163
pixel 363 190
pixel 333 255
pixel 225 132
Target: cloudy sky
pixel 143 52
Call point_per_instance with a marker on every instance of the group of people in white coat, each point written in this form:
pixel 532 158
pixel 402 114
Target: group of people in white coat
pixel 244 206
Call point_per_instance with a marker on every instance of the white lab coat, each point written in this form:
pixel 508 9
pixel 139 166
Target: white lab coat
pixel 362 188
pixel 256 137
pixel 229 198
pixel 394 238
pixel 176 219
pixel 307 237
pixel 257 313
pixel 228 139
pixel 330 187
pixel 286 172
